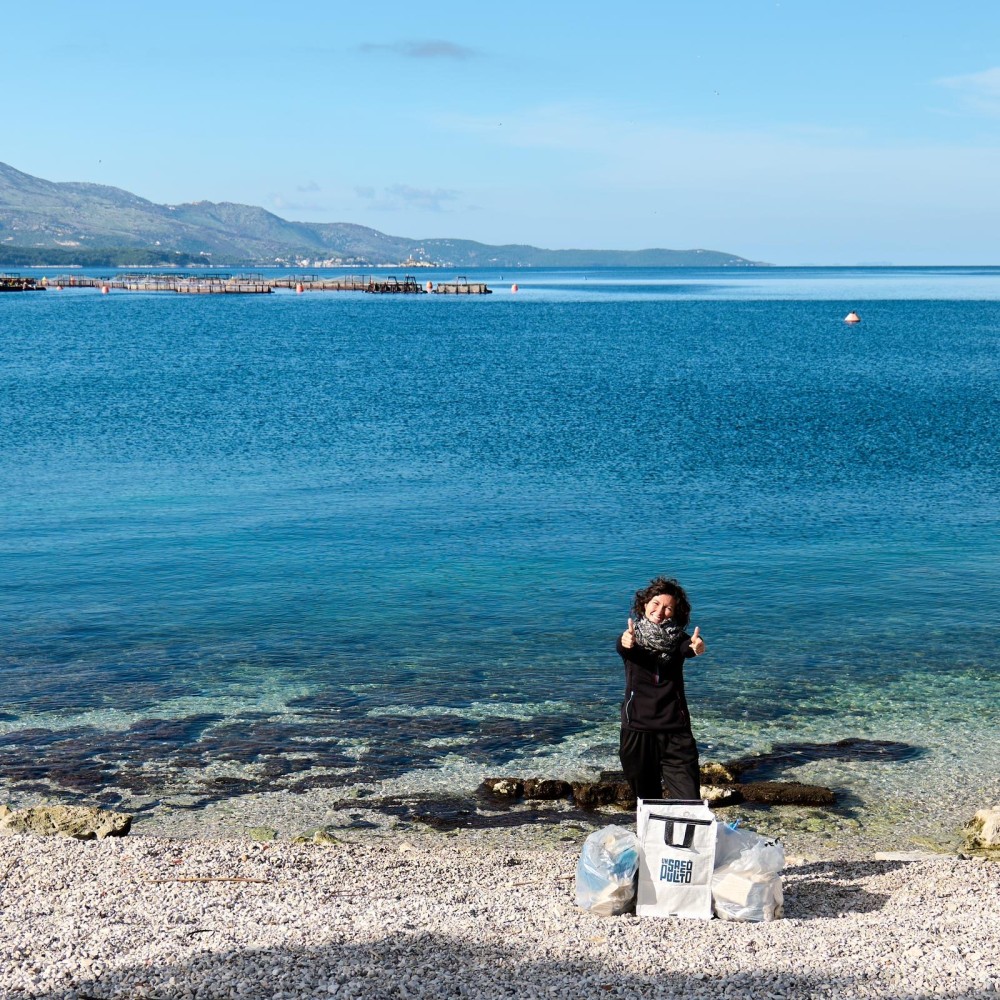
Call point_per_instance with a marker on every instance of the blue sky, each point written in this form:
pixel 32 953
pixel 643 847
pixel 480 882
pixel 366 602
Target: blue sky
pixel 792 132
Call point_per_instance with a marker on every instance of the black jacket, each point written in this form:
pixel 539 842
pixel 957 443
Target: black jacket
pixel 654 689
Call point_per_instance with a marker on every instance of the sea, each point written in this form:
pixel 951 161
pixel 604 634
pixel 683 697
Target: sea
pixel 337 543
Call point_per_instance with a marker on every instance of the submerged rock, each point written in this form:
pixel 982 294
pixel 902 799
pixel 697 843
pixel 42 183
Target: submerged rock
pixel 782 756
pixel 262 833
pixel 79 822
pixel 787 793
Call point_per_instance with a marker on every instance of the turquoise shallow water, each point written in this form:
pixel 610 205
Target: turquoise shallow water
pixel 293 541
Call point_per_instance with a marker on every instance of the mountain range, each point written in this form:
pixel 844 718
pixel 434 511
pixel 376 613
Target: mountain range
pixel 45 222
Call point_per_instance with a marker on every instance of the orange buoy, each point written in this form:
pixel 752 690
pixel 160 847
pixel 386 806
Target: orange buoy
pixel 300 288
pixel 429 286
pixel 104 289
pixel 513 288
pixel 852 317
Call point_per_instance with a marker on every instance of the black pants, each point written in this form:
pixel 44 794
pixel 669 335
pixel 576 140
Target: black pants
pixel 660 765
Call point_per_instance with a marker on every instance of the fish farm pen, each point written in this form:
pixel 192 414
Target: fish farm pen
pixel 247 284
pixel 462 286
pixel 15 283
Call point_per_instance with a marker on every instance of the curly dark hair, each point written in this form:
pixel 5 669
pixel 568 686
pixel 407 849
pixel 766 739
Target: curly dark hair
pixel 664 585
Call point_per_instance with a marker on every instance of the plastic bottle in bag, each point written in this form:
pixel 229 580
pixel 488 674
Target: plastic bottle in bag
pixel 605 874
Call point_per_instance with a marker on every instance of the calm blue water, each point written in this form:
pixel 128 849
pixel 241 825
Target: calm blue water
pixel 288 541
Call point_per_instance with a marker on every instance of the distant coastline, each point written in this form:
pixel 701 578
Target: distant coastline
pixel 44 223
pixel 130 257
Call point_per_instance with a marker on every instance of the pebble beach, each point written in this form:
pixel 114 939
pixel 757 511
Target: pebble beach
pixel 383 912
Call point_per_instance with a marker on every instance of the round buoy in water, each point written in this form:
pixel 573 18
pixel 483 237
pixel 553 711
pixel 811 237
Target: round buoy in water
pixel 300 288
pixel 104 289
pixel 852 317
pixel 513 288
pixel 429 286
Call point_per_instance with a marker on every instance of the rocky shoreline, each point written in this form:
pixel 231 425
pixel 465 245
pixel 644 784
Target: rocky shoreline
pixel 810 818
pixel 721 786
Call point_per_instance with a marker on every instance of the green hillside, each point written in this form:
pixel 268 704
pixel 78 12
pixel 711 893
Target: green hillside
pixel 44 222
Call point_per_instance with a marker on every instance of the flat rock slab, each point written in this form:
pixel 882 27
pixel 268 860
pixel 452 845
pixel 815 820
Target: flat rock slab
pixel 79 822
pixel 787 793
pixel 613 790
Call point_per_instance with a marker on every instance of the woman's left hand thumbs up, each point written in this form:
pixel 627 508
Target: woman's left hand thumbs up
pixel 697 643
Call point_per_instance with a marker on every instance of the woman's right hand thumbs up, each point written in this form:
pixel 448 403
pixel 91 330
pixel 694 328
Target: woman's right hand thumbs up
pixel 628 636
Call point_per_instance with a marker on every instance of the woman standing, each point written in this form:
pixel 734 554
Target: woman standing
pixel 657 749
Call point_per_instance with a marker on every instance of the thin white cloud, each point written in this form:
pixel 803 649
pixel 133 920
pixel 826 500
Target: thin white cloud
pixel 432 48
pixel 979 92
pixel 569 128
pixel 404 196
pixel 280 204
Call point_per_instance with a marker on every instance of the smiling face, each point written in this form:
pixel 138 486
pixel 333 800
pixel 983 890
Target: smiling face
pixel 660 608
pixel 664 598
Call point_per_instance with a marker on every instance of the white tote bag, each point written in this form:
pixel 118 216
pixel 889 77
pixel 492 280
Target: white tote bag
pixel 676 858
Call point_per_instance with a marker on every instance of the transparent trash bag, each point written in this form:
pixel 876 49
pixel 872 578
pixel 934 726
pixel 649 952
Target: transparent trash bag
pixel 605 874
pixel 746 884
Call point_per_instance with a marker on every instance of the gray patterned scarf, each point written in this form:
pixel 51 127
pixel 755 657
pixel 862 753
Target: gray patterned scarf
pixel 663 639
